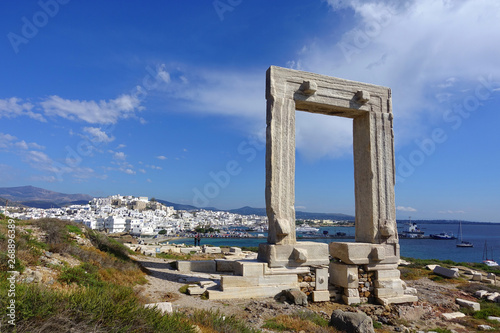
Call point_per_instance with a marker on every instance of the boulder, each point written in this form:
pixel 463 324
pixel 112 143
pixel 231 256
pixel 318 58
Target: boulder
pixel 356 322
pixel 294 296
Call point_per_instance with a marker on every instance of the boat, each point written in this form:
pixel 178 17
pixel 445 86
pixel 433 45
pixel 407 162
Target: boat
pixel 306 229
pixel 442 236
pixel 486 260
pixel 462 243
pixel 413 231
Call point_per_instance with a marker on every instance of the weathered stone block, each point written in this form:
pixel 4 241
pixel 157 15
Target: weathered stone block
pixel 453 315
pixel 204 266
pixel 351 300
pixel 468 304
pixel 385 292
pixel 481 293
pixel 321 279
pixel 223 265
pixel 449 273
pixel 286 254
pixel 344 275
pixel 351 292
pixel 321 296
pixel 249 268
pixel 365 253
pixel 388 274
pixel 245 281
pixel 391 284
pixel 397 299
pixel 212 249
pixel 411 291
pixel 477 277
pixel 234 250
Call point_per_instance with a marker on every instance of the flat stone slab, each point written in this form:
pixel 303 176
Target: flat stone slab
pixel 494 318
pixel 245 292
pixel 397 299
pixel 164 307
pixel 452 315
pixel 468 304
pixel 196 290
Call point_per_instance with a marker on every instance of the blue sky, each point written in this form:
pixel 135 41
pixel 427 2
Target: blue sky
pixel 166 99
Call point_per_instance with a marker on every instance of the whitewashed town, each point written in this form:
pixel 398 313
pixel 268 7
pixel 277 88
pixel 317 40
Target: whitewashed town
pixel 140 216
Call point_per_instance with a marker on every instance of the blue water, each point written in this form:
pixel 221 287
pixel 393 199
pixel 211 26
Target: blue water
pixel 415 248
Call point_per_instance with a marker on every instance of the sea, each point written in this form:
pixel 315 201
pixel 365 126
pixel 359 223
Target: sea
pixel 477 233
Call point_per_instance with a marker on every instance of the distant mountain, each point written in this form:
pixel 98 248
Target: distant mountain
pixel 41 198
pixel 298 214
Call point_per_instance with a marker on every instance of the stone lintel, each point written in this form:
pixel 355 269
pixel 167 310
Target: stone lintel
pixel 286 255
pixel 365 253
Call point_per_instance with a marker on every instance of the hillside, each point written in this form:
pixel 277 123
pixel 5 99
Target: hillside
pixel 41 198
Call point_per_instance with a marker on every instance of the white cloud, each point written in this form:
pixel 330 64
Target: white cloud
pixel 102 112
pixel 142 171
pixel 6 140
pixel 14 107
pixel 98 135
pixel 161 157
pixel 121 145
pixel 405 209
pixel 119 155
pixel 426 51
pixel 9 141
pixel 129 171
pixel 21 144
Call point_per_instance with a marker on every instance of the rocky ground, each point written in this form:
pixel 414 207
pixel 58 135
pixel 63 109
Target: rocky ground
pixel 435 298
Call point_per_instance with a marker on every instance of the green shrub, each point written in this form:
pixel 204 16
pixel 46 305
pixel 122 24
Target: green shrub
pixel 74 229
pixel 83 275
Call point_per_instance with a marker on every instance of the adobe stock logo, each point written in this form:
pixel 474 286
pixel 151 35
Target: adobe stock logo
pixel 40 19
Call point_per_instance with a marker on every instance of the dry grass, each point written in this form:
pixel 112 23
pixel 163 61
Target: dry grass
pixel 127 278
pixel 299 322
